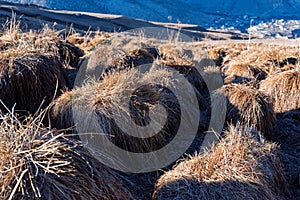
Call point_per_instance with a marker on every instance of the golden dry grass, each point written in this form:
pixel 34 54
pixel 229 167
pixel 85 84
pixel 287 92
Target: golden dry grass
pixel 239 73
pixel 107 97
pixel 247 106
pixel 39 163
pixel 284 88
pixel 34 66
pixel 241 166
pixel 14 43
pixel 119 53
pixel 175 55
pixel 89 41
pixel 266 58
pixel 111 96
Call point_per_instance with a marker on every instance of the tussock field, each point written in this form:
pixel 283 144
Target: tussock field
pixel 256 155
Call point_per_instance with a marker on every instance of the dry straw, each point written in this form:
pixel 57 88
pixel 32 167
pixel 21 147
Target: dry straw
pixel 112 96
pixel 175 54
pixel 242 166
pixel 108 98
pixel 29 81
pixel 34 66
pixel 39 163
pixel 247 106
pixel 15 43
pixel 263 57
pixel 239 73
pixel 284 87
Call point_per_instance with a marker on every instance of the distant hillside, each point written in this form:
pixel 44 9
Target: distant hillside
pixel 187 11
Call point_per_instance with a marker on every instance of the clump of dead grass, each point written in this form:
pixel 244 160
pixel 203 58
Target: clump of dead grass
pixel 34 66
pixel 217 54
pixel 284 88
pixel 89 41
pixel 242 166
pixel 30 81
pixel 247 106
pixel 268 59
pixel 39 163
pixel 14 43
pixel 175 55
pixel 116 92
pixel 109 97
pixel 242 73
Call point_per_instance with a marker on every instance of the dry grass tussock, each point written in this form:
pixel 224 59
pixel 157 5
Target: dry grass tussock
pixel 172 54
pixel 284 88
pixel 247 106
pixel 30 81
pixel 109 97
pixel 39 163
pixel 14 43
pixel 109 59
pixel 241 166
pixel 255 57
pixel 34 66
pixel 179 58
pixel 133 96
pixel 242 73
pixel 89 41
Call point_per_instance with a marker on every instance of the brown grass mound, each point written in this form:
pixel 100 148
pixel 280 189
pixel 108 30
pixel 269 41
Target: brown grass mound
pixel 116 59
pixel 144 55
pixel 278 57
pixel 14 43
pixel 241 166
pixel 38 163
pixel 175 54
pixel 29 80
pixel 247 106
pixel 177 58
pixel 263 58
pixel 183 60
pixel 242 73
pixel 284 87
pixel 267 58
pixel 89 41
pixel 108 97
pixel 193 76
pixel 34 66
pixel 118 93
pixel 217 54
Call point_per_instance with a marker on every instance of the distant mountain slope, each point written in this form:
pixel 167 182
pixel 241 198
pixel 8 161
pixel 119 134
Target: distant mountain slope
pixel 206 13
pixel 35 17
